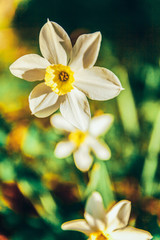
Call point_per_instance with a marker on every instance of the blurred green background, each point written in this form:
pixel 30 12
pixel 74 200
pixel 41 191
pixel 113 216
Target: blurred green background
pixel 38 192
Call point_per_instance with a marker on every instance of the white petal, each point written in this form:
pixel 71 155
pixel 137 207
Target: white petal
pixel 130 233
pixel 55 44
pixel 64 149
pixel 58 121
pixel 98 83
pixel 77 225
pixel 41 98
pixel 100 124
pixel 100 149
pixel 30 67
pixel 82 158
pixel 75 109
pixel 85 51
pixel 119 215
pixel 48 111
pixel 95 212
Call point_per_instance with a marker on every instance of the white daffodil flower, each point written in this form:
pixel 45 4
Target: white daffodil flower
pixel 81 143
pixel 68 74
pixel 101 225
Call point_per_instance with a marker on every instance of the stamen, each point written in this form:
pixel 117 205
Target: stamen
pixel 63 76
pixel 99 236
pixel 77 137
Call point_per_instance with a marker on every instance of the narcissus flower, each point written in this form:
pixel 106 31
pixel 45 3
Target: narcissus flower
pixel 81 143
pixel 68 74
pixel 101 225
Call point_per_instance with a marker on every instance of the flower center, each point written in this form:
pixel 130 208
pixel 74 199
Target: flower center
pixel 77 137
pixel 63 76
pixel 59 78
pixel 99 236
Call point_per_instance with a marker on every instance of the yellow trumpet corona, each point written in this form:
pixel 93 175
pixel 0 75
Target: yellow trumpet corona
pixel 59 78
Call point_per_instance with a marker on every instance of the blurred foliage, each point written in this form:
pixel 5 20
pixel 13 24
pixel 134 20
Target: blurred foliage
pixel 38 192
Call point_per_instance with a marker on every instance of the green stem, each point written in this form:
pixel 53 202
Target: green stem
pixel 151 160
pixel 126 104
pixel 99 180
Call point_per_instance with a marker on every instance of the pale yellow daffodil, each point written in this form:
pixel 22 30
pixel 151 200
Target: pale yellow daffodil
pixel 81 143
pixel 101 225
pixel 68 73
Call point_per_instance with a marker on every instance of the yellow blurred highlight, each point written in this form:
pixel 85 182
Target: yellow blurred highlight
pixel 16 111
pixel 98 112
pixel 9 50
pixel 10 47
pixel 7 11
pixel 16 137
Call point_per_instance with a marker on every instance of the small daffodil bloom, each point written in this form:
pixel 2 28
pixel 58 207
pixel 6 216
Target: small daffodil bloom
pixel 68 75
pixel 81 143
pixel 101 225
